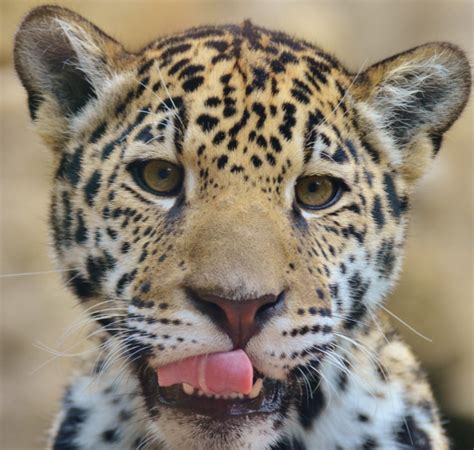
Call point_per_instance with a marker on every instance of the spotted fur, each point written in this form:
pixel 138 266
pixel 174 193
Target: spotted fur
pixel 246 112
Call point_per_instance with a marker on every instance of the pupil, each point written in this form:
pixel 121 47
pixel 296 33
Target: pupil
pixel 312 187
pixel 164 173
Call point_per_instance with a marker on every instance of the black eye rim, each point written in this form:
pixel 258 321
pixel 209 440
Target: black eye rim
pixel 136 169
pixel 338 185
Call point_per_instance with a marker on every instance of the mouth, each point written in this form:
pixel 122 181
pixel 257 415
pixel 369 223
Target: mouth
pixel 264 398
pixel 220 385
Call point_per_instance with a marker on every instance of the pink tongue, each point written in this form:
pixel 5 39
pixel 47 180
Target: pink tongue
pixel 217 373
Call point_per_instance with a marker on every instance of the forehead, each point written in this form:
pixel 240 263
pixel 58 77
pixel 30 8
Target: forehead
pixel 243 90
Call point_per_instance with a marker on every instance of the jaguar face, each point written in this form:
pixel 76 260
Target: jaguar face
pixel 231 223
pixel 232 216
pixel 230 204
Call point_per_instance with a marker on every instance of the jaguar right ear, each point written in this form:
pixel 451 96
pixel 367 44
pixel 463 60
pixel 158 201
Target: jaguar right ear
pixel 64 62
pixel 414 97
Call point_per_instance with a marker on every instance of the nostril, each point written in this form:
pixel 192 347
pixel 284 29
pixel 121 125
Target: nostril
pixel 208 308
pixel 266 311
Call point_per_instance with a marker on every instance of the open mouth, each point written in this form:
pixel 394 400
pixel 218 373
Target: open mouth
pixel 219 385
pixel 264 398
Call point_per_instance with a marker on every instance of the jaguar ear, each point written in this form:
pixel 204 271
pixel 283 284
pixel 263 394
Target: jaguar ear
pixel 64 62
pixel 413 98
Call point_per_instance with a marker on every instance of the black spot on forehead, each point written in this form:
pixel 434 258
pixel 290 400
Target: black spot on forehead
pixel 222 161
pixel 193 84
pixel 301 92
pixel 260 77
pixel 190 71
pixel 219 137
pixel 212 102
pixel 176 67
pixel 207 122
pixel 256 161
pixel 172 51
pixel 219 45
pixel 279 64
pixel 275 144
pixel 259 109
pixel 271 159
pixel 289 121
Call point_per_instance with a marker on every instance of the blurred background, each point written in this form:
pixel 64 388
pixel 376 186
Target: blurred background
pixel 435 295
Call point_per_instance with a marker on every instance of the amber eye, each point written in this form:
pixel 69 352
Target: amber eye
pixel 317 192
pixel 158 176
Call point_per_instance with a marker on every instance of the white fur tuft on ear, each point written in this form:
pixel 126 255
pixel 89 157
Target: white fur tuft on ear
pixel 415 95
pixel 411 99
pixel 88 55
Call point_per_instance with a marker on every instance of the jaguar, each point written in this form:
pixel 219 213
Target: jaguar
pixel 230 207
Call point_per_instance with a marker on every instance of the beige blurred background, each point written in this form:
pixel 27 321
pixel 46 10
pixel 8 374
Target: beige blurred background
pixel 435 295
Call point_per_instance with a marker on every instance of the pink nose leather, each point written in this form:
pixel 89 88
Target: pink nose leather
pixel 240 319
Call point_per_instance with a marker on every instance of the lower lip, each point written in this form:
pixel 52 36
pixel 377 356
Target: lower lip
pixel 267 402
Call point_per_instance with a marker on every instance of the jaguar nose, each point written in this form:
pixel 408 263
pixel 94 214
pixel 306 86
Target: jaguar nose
pixel 240 319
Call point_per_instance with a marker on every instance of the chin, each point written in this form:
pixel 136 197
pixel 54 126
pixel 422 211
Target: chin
pixel 184 430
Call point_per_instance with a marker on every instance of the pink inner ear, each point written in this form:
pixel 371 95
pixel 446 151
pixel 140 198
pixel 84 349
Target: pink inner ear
pixel 215 373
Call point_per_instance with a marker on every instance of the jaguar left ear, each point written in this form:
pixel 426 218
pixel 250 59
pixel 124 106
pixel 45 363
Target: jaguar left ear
pixel 413 98
pixel 64 62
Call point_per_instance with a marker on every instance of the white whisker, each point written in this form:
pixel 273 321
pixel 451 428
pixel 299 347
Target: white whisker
pixel 406 324
pixel 42 272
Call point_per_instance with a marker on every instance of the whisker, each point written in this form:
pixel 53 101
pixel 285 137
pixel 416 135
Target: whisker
pixel 322 378
pixel 406 324
pixel 373 316
pixel 114 350
pixel 152 438
pixel 350 319
pixel 57 354
pixel 306 382
pixel 354 376
pixel 334 110
pixel 368 352
pixel 42 272
pixel 89 320
pixel 127 363
pixel 114 355
pixel 168 94
pixel 173 112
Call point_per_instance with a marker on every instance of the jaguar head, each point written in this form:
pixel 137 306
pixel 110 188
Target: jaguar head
pixel 230 204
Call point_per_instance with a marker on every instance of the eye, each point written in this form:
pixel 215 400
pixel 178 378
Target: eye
pixel 318 192
pixel 158 176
